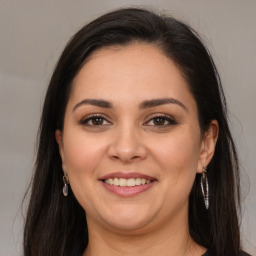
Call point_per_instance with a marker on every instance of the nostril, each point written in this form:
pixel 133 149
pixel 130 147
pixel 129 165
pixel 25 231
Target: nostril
pixel 125 158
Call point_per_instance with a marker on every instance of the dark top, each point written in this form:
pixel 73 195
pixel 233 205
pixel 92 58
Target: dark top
pixel 241 254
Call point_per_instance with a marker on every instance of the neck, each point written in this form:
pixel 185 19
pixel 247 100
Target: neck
pixel 170 239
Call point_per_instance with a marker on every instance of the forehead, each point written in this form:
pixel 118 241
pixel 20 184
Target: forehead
pixel 140 70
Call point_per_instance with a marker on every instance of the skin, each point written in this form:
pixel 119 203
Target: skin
pixel 129 138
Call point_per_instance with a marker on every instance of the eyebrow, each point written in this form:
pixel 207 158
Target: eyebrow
pixel 158 102
pixel 94 102
pixel 144 105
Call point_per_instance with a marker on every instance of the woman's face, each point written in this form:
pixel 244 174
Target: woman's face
pixel 131 142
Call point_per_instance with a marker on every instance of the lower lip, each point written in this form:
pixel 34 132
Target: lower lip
pixel 128 191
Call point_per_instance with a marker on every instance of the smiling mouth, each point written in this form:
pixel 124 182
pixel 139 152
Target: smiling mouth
pixel 126 184
pixel 132 182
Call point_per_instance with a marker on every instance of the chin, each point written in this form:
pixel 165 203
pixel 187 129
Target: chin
pixel 126 225
pixel 128 220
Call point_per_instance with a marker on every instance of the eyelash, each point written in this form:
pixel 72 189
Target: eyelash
pixel 163 118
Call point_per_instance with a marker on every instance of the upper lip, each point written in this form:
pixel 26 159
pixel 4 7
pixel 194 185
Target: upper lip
pixel 126 175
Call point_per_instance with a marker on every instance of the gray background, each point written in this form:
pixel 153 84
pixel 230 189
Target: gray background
pixel 33 34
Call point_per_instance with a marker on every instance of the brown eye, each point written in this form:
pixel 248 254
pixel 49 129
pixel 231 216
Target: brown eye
pixel 159 121
pixel 97 121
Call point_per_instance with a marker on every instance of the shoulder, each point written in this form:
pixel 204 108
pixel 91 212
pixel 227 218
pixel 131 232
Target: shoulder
pixel 244 254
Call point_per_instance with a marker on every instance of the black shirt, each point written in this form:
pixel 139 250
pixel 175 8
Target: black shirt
pixel 241 254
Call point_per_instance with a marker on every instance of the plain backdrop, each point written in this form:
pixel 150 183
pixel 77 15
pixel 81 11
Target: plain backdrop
pixel 32 36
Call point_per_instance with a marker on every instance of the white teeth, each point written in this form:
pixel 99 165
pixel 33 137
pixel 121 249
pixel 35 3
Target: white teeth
pixel 127 182
pixel 130 183
pixel 116 182
pixel 122 182
pixel 138 181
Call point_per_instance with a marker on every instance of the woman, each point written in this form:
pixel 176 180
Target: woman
pixel 135 155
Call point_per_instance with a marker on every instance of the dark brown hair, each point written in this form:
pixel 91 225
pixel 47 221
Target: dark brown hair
pixel 56 226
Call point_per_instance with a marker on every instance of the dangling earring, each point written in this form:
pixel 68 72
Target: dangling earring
pixel 66 182
pixel 205 188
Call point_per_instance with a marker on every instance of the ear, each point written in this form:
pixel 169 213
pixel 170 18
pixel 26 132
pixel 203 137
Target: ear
pixel 208 145
pixel 58 137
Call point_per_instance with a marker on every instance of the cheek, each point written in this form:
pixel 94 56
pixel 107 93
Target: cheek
pixel 179 150
pixel 178 157
pixel 179 164
pixel 82 155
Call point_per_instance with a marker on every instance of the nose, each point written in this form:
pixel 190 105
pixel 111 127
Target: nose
pixel 127 145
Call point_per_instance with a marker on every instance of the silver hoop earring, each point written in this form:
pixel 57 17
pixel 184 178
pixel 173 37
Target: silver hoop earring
pixel 66 182
pixel 205 188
